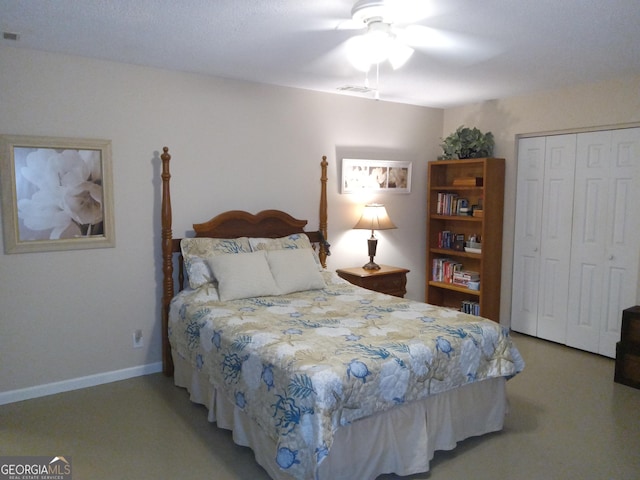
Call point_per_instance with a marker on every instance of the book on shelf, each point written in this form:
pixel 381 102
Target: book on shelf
pixel 470 307
pixel 445 203
pixel 458 242
pixel 451 204
pixel 445 239
pixel 462 206
pixel 443 269
pixel 468 182
pixel 463 277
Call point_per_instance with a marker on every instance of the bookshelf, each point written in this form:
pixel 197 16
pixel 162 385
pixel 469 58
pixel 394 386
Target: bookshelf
pixel 465 200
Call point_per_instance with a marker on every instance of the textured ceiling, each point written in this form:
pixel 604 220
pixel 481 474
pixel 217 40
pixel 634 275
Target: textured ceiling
pixel 498 48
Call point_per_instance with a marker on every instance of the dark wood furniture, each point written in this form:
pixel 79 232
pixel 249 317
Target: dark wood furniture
pixel 628 349
pixel 480 182
pixel 388 279
pixel 231 224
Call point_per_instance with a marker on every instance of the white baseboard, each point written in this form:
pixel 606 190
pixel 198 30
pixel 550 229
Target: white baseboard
pixel 77 383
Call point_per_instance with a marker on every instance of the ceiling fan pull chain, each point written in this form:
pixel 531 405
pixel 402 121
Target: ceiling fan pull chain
pixel 377 93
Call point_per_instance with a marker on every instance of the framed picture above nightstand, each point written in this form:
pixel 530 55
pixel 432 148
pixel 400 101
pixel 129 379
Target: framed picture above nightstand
pixel 388 279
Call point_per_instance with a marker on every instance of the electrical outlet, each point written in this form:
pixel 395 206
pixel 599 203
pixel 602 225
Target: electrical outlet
pixel 137 339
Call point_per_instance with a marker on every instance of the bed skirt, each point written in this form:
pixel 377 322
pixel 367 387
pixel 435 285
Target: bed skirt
pixel 401 441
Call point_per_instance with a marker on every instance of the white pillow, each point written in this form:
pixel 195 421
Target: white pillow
pixel 290 242
pixel 295 270
pixel 243 275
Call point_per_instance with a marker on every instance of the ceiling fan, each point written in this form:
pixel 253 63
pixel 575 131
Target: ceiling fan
pixel 392 34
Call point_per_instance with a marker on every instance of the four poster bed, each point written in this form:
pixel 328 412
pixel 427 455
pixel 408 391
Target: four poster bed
pixel 320 378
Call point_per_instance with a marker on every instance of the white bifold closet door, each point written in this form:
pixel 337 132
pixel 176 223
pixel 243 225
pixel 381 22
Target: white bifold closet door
pixel 542 249
pixel 577 237
pixel 605 242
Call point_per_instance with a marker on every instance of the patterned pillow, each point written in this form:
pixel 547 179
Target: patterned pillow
pixel 293 241
pixel 196 251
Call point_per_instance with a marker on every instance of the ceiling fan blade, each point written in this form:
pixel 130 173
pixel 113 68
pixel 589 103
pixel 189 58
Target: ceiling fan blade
pixel 334 62
pixel 448 46
pixel 349 24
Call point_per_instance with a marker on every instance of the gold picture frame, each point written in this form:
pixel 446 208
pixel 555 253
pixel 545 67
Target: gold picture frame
pixel 56 193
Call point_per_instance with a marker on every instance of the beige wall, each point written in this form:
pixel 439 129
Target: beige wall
pixel 69 316
pixel 608 104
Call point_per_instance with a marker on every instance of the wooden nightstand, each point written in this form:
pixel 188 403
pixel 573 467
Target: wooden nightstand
pixel 389 280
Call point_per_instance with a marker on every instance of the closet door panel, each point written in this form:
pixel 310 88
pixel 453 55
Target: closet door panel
pixel 622 251
pixel 590 225
pixel 555 236
pixel 604 239
pixel 526 256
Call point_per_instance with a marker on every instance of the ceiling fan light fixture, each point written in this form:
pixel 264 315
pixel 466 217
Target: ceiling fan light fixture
pixel 359 53
pixel 399 54
pixel 372 48
pixel 376 46
pixel 380 42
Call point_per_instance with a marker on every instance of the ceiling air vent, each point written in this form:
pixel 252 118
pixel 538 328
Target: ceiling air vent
pixel 10 36
pixel 356 89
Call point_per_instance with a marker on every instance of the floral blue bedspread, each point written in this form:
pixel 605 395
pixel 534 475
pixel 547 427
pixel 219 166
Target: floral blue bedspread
pixel 303 364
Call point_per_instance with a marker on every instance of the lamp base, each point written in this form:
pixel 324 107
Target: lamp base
pixel 372 243
pixel 371 266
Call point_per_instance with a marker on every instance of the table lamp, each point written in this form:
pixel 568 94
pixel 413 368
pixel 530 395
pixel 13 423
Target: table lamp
pixel 374 217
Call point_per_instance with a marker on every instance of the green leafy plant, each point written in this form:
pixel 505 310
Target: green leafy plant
pixel 467 143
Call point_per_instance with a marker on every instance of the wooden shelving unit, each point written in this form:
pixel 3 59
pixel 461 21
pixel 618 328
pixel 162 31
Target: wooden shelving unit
pixel 487 193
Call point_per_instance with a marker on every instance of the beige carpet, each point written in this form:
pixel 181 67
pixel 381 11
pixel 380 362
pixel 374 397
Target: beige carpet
pixel 568 420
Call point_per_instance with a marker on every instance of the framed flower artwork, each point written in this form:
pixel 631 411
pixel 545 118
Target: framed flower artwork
pixel 56 193
pixel 385 176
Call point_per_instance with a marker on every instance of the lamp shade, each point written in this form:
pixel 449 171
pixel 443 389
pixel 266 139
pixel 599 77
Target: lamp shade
pixel 374 217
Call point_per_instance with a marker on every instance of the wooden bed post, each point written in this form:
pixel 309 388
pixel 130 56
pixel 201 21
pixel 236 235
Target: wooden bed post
pixel 171 246
pixel 167 262
pixel 323 251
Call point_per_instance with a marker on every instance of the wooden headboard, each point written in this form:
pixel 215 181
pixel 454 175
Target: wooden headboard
pixel 231 224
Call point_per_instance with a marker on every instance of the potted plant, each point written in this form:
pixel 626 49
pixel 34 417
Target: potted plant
pixel 467 143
